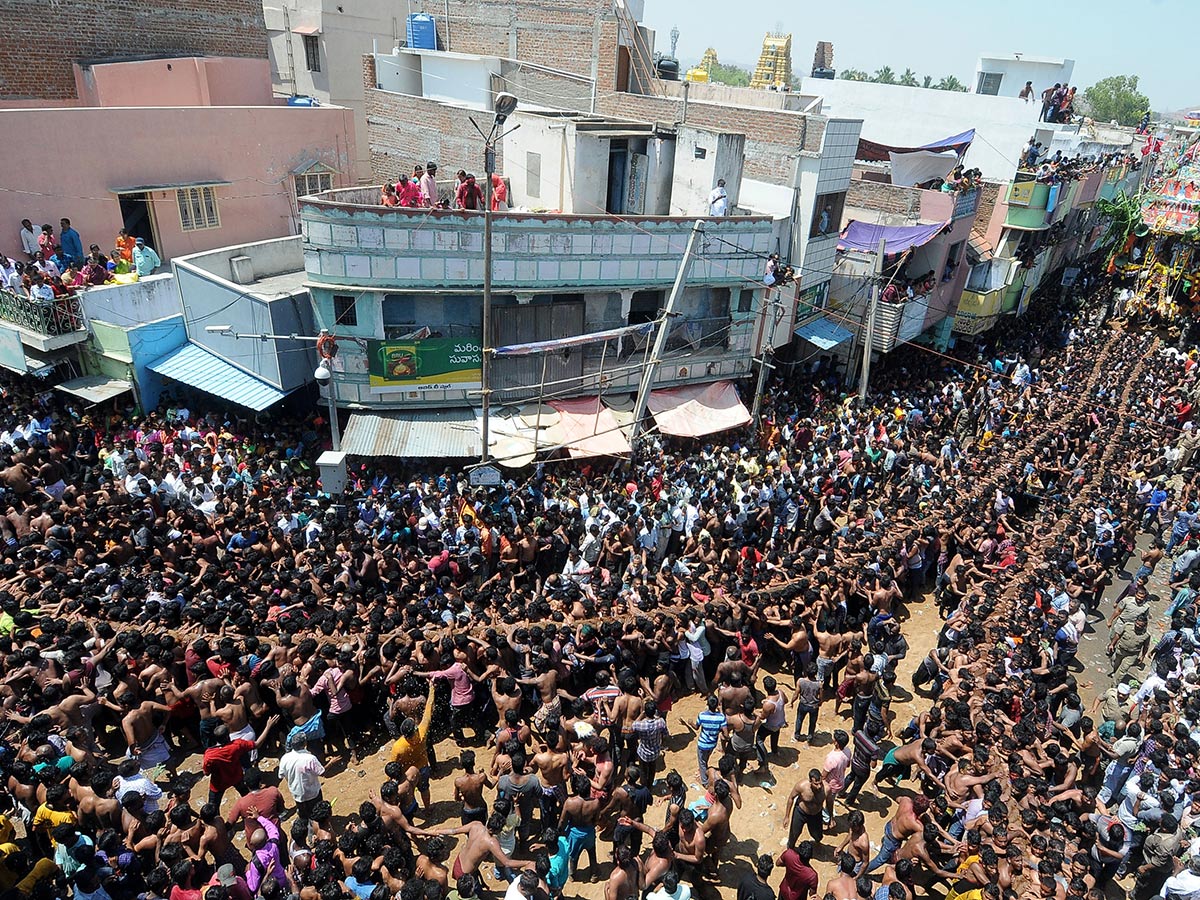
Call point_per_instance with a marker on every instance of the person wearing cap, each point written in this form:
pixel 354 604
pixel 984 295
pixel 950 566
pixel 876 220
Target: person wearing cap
pixel 234 883
pixel 428 184
pixel 145 260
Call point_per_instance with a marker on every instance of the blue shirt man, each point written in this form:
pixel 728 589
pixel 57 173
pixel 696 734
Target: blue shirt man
pixel 71 243
pixel 145 260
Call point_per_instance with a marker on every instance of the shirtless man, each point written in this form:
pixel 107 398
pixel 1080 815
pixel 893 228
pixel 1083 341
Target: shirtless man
pixel 142 724
pixel 625 880
pixel 856 842
pixel 468 789
pixel 481 842
pixel 231 710
pixel 625 709
pixel 804 806
pixel 546 682
pixel 909 820
pixel 200 693
pixel 716 825
pixel 923 847
pixel 296 702
pixel 899 761
pixel 552 765
pixel 843 886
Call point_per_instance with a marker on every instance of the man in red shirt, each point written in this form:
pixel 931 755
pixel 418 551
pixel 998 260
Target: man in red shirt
pixel 266 800
pixel 800 878
pixel 224 761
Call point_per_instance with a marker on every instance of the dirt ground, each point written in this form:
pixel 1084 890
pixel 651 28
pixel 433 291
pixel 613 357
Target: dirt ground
pixel 757 827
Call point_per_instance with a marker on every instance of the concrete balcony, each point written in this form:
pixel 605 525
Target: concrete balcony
pixel 44 325
pixel 978 311
pixel 351 240
pixel 904 205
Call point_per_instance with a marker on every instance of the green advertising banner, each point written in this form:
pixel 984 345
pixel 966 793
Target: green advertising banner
pixel 425 365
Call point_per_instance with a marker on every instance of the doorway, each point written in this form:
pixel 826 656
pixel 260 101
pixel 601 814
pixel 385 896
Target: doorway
pixel 138 218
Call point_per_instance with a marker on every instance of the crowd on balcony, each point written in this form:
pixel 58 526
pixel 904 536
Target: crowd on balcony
pixel 1058 104
pixel 959 181
pixel 56 266
pixel 1062 167
pixel 421 191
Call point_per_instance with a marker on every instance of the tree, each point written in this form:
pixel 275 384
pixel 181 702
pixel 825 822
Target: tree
pixel 950 83
pixel 909 78
pixel 1116 97
pixel 927 81
pixel 854 75
pixel 884 75
pixel 734 76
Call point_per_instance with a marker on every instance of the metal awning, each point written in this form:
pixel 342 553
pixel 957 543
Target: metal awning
pixel 979 247
pixel 202 369
pixel 168 186
pixel 823 333
pixel 95 388
pixel 307 29
pixel 416 434
pixel 34 365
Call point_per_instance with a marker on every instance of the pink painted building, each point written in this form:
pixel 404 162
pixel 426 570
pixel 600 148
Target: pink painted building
pixel 191 153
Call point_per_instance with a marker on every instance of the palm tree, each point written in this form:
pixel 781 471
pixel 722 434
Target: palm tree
pixel 950 83
pixel 884 75
pixel 909 78
pixel 927 81
pixel 854 75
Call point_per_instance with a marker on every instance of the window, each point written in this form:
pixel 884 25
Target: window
pixel 827 214
pixel 533 174
pixel 644 306
pixel 197 208
pixel 989 83
pixel 345 311
pixel 313 183
pixel 312 52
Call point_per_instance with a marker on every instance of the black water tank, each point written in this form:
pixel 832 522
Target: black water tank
pixel 668 69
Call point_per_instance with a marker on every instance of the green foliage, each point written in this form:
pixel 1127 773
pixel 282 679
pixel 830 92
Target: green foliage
pixel 854 75
pixel 1124 214
pixel 884 75
pixel 1116 97
pixel 950 83
pixel 734 76
pixel 909 78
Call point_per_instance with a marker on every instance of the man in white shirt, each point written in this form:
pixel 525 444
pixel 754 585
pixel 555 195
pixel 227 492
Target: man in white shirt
pixel 302 771
pixel 29 239
pixel 718 200
pixel 1184 885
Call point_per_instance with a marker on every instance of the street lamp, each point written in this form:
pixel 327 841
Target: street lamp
pixel 324 376
pixel 503 106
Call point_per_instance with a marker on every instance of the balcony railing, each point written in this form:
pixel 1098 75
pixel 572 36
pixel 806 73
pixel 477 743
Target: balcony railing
pixel 53 317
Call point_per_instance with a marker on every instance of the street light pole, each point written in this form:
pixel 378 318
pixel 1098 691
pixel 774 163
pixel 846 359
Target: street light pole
pixel 504 104
pixel 485 367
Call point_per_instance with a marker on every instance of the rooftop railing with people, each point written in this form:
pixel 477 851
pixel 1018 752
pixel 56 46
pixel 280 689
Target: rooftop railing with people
pixel 62 315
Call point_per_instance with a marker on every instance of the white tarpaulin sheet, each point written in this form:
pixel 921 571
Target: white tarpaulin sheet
pixel 698 409
pixel 921 165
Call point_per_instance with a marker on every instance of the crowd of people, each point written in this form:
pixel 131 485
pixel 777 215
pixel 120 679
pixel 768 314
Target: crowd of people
pixel 56 266
pixel 421 191
pixel 181 606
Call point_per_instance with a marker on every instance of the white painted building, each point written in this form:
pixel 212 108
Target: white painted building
pixel 316 48
pixel 1005 74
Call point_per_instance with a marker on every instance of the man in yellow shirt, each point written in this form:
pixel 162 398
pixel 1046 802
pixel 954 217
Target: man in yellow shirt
pixel 54 812
pixel 410 749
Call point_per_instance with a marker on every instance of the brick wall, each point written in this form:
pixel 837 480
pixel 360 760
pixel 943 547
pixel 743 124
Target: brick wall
pixel 36 63
pixel 773 137
pixel 888 198
pixel 403 131
pixel 989 193
pixel 561 34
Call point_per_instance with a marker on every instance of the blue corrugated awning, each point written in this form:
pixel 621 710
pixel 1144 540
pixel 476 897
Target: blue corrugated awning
pixel 193 365
pixel 823 333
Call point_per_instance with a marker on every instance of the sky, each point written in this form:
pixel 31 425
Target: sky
pixel 938 37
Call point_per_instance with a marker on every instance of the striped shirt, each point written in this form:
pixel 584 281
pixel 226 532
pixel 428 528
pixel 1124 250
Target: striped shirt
pixel 710 725
pixel 866 751
pixel 600 698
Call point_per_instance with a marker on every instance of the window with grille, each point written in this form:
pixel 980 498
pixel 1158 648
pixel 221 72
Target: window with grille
pixel 312 52
pixel 345 311
pixel 989 83
pixel 313 183
pixel 197 208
